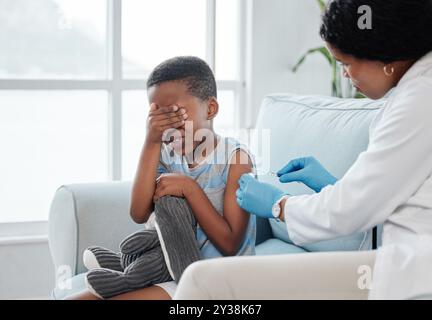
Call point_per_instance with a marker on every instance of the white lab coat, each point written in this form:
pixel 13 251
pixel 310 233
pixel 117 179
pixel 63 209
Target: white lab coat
pixel 390 183
pixel 403 270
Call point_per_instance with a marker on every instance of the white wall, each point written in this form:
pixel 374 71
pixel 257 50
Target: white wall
pixel 26 270
pixel 282 30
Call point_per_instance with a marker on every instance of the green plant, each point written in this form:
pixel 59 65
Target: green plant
pixel 336 83
pixel 322 4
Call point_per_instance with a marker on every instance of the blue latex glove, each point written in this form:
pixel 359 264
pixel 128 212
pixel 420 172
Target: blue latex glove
pixel 307 170
pixel 257 197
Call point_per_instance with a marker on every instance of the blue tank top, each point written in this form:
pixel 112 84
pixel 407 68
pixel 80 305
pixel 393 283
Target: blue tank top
pixel 211 175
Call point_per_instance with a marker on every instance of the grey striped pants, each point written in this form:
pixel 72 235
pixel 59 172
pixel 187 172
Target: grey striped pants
pixel 144 259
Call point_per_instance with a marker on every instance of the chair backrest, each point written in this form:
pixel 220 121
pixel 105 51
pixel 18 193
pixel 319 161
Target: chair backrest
pixel 333 130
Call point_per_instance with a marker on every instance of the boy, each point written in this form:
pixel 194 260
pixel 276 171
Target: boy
pixel 183 157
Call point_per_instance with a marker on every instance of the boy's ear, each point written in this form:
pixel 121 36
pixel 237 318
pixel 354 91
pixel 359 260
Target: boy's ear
pixel 212 108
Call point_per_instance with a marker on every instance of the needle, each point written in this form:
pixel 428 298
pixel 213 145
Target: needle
pixel 269 173
pixel 272 174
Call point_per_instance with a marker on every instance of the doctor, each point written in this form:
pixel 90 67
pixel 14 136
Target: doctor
pixel 390 183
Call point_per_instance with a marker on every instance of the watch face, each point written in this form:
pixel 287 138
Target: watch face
pixel 276 210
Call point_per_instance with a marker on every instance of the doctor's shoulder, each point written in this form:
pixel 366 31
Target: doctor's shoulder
pixel 415 93
pixel 409 107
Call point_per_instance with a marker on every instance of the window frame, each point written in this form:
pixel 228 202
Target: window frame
pixel 116 84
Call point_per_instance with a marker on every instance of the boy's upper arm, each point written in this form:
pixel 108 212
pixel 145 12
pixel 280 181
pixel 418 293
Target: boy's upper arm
pixel 236 217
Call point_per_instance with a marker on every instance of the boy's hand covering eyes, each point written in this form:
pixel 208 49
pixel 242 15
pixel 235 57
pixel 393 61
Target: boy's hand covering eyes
pixel 172 184
pixel 161 119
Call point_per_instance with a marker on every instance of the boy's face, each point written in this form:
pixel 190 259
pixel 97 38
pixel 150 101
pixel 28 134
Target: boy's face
pixel 200 113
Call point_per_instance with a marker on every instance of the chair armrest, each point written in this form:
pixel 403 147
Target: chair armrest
pixel 82 215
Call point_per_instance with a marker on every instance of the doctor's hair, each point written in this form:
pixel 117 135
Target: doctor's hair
pixel 193 71
pixel 401 29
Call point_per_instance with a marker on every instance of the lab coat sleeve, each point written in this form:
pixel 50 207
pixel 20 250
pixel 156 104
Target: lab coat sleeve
pixel 396 163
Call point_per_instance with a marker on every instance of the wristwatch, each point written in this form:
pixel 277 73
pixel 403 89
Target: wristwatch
pixel 276 209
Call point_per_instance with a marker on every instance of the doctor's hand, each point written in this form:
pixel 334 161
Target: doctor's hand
pixel 257 197
pixel 307 170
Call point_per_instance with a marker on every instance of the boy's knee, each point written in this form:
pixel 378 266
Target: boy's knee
pixel 170 209
pixel 169 202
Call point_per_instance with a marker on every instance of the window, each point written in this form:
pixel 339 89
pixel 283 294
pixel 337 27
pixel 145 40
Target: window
pixel 48 139
pixel 53 39
pixel 73 103
pixel 147 39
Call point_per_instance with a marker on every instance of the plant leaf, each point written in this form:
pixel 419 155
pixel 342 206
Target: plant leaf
pixel 322 5
pixel 322 50
pixel 327 55
pixel 359 95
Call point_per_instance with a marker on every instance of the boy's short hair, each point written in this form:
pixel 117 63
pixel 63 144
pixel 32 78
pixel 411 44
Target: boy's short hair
pixel 195 73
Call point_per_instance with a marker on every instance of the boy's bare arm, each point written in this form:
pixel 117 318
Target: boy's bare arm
pixel 225 232
pixel 236 217
pixel 144 185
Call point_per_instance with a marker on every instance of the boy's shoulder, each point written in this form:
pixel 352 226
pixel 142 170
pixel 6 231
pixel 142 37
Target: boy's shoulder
pixel 227 146
pixel 231 143
pixel 231 146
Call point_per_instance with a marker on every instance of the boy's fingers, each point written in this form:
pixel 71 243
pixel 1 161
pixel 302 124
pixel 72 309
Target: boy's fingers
pixel 163 110
pixel 169 125
pixel 170 121
pixel 180 114
pixel 158 193
pixel 166 114
pixel 164 119
pixel 175 125
pixel 153 107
